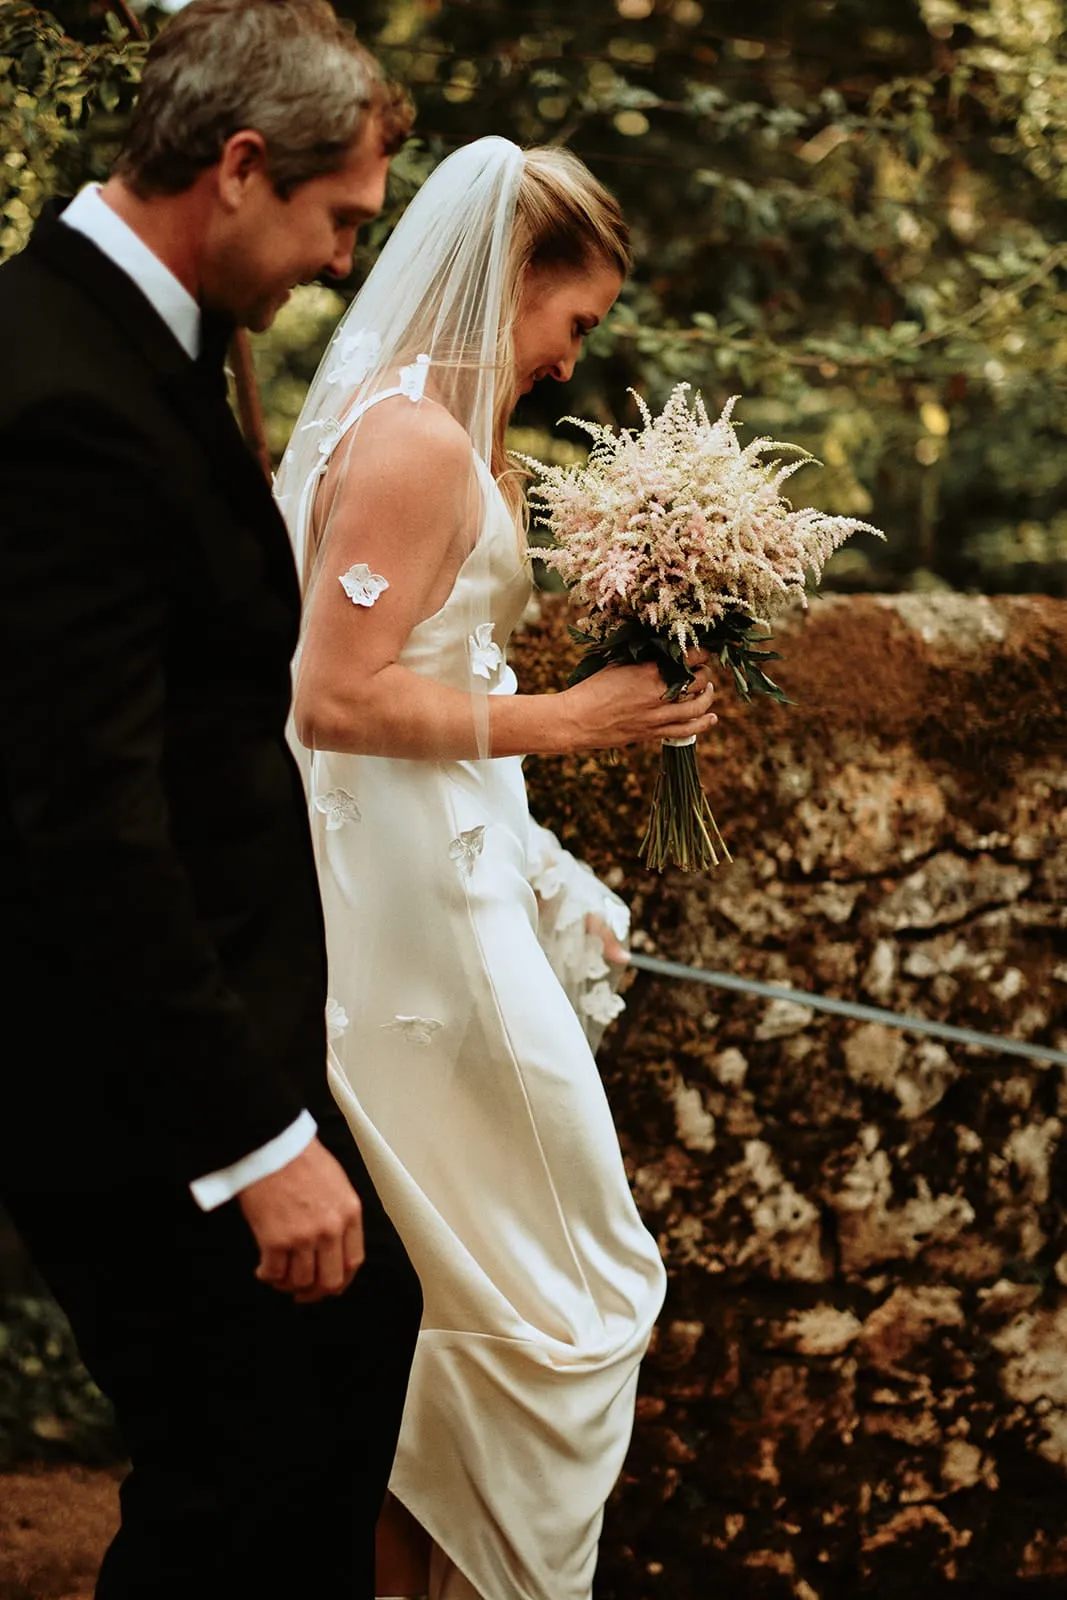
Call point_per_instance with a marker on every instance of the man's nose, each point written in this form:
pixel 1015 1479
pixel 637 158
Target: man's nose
pixel 340 263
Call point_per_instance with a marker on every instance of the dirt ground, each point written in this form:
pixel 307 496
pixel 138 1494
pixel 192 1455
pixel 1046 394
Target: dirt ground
pixel 55 1523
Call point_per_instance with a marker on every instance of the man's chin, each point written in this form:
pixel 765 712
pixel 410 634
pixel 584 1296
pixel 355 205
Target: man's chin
pixel 259 318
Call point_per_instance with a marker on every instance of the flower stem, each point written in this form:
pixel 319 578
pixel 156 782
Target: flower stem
pixel 682 831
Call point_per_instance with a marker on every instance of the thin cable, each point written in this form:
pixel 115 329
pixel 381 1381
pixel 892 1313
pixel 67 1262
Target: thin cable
pixel 848 1008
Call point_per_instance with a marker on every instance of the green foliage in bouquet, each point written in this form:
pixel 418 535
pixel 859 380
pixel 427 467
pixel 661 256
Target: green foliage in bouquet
pixel 733 641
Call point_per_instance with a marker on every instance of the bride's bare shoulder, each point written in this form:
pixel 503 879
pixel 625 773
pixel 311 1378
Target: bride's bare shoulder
pixel 400 435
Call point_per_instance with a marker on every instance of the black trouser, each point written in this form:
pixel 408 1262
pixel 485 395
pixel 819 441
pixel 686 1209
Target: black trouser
pixel 261 1432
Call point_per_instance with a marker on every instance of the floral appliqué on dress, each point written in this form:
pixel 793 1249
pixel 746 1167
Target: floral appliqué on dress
pixel 338 807
pixel 466 849
pixel 336 1019
pixel 413 378
pixel 602 1004
pixel 361 585
pixel 355 357
pixel 329 433
pixel 416 1030
pixel 486 655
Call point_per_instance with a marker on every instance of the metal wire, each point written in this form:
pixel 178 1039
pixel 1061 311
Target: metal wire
pixel 848 1008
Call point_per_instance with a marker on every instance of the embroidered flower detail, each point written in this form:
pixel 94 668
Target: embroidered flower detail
pixel 336 1019
pixel 338 807
pixel 361 585
pixel 548 879
pixel 413 378
pixel 602 1004
pixel 593 962
pixel 354 357
pixel 330 433
pixel 486 656
pixel 416 1030
pixel 467 848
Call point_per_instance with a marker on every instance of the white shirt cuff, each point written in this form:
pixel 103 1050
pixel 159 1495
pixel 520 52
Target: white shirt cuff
pixel 215 1188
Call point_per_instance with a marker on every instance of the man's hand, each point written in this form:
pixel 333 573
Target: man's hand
pixel 308 1223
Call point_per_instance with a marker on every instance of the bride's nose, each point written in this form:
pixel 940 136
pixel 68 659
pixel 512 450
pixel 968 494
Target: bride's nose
pixel 563 371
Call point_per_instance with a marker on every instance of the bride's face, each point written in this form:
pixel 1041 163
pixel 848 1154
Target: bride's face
pixel 556 311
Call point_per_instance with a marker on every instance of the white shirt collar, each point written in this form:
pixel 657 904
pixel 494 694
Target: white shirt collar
pixel 93 217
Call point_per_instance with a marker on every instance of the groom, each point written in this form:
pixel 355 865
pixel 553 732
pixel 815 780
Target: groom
pixel 168 1145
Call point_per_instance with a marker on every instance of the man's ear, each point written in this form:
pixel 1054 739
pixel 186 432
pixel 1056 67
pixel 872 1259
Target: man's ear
pixel 242 163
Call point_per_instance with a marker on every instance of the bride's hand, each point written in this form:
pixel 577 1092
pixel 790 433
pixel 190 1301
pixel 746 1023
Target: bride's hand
pixel 614 950
pixel 626 705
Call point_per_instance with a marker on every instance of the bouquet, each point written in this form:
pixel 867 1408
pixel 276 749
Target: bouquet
pixel 673 536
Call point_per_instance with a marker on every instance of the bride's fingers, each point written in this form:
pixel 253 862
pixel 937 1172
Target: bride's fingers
pixel 686 718
pixel 688 706
pixel 687 730
pixel 700 681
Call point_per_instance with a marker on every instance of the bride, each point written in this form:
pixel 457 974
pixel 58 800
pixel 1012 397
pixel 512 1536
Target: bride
pixel 467 974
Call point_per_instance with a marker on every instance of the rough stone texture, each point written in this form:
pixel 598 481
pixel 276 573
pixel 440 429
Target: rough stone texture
pixel 859 1383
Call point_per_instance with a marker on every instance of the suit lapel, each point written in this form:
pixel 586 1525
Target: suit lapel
pixel 200 401
pixel 193 392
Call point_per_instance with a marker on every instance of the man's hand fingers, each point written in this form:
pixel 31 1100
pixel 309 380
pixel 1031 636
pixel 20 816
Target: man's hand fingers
pixel 308 1221
pixel 303 1263
pixel 330 1266
pixel 353 1249
pixel 273 1267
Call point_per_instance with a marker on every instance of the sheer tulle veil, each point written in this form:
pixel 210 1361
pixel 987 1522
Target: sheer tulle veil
pixel 431 325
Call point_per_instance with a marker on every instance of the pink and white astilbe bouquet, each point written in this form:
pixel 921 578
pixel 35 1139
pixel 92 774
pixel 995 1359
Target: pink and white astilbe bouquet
pixel 673 536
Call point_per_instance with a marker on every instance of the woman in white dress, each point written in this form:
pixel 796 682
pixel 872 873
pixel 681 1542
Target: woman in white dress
pixel 467 972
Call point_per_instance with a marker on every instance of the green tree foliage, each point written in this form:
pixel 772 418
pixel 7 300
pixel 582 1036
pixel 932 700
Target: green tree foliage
pixel 849 211
pixel 63 106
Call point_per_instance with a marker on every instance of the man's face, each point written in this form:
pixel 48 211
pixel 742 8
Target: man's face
pixel 262 245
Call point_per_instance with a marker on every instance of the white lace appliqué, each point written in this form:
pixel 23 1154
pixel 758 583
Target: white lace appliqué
pixel 361 585
pixel 486 655
pixel 413 378
pixel 336 1019
pixel 329 433
pixel 355 357
pixel 467 848
pixel 416 1030
pixel 601 1004
pixel 338 807
pixel 572 903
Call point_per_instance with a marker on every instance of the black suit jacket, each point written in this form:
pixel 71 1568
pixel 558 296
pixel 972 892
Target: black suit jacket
pixel 161 951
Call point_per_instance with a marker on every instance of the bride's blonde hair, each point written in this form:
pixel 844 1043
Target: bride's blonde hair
pixel 565 222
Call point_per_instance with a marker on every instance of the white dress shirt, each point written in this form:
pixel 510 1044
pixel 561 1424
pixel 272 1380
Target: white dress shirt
pixel 93 217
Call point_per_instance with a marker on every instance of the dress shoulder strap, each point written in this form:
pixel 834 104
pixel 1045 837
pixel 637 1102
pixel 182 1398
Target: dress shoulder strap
pixel 412 385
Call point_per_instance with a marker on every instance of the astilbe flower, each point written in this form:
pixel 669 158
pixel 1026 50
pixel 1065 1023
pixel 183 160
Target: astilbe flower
pixel 677 525
pixel 672 536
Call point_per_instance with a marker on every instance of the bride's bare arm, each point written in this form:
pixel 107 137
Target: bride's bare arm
pixel 407 504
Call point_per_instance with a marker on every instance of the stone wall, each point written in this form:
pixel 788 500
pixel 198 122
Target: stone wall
pixel 860 1379
pixel 859 1383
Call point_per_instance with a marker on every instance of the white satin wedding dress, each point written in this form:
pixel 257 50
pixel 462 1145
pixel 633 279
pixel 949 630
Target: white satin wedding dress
pixel 466 1075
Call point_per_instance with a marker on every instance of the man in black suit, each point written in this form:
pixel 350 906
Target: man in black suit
pixel 168 1145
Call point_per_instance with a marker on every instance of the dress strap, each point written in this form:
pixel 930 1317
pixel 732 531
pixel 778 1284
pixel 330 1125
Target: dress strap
pixel 412 385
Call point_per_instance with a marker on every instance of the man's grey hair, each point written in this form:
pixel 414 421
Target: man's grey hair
pixel 289 69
